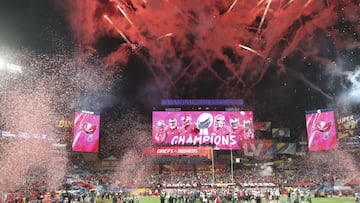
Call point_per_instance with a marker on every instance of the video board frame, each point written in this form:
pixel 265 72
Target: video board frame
pixel 86 131
pixel 221 129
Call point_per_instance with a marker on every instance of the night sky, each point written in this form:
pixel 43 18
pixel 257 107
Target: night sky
pixel 294 57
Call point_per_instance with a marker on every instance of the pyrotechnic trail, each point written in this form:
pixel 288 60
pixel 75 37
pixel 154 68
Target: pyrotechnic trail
pixel 302 78
pixel 232 6
pixel 250 49
pixel 165 35
pixel 123 12
pixel 226 49
pixel 273 30
pixel 117 29
pixel 263 17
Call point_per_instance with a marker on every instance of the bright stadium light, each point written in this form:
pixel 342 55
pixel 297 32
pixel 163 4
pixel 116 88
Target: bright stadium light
pixel 14 68
pixel 6 69
pixel 4 66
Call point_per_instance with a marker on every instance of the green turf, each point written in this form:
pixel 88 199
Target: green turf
pixel 328 199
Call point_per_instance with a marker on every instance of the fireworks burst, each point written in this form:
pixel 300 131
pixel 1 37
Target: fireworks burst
pixel 225 47
pixel 204 39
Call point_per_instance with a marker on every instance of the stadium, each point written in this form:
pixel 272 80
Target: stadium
pixel 264 162
pixel 149 101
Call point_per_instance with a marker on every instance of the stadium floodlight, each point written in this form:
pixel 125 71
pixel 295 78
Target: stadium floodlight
pixel 14 68
pixel 4 66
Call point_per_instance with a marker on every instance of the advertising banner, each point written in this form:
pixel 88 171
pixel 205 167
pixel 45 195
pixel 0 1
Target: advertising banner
pixel 7 134
pixel 267 148
pixel 86 132
pixel 280 132
pixel 262 126
pixel 256 148
pixel 277 148
pixel 262 129
pixel 177 151
pixel 348 126
pixel 221 129
pixel 65 123
pixel 321 130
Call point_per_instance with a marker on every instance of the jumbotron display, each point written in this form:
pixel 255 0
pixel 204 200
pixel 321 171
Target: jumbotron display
pixel 321 130
pixel 221 129
pixel 86 132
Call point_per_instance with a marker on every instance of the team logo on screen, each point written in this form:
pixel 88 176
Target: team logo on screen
pixel 89 128
pixel 321 130
pixel 222 129
pixel 86 132
pixel 324 128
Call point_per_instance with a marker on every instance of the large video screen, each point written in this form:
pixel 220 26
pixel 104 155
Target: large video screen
pixel 321 130
pixel 221 129
pixel 86 132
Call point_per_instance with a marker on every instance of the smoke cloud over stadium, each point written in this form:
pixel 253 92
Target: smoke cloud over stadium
pixel 354 91
pixel 226 48
pixel 292 55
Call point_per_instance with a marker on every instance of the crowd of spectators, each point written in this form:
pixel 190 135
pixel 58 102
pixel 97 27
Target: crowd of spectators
pixel 329 168
pixel 320 168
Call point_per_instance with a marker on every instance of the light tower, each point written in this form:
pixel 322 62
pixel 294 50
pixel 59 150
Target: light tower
pixel 7 68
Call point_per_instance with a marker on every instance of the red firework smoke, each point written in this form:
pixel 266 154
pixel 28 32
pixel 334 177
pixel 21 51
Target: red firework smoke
pixel 228 43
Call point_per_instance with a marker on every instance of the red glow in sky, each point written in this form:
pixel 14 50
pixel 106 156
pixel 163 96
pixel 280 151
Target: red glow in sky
pixel 225 44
